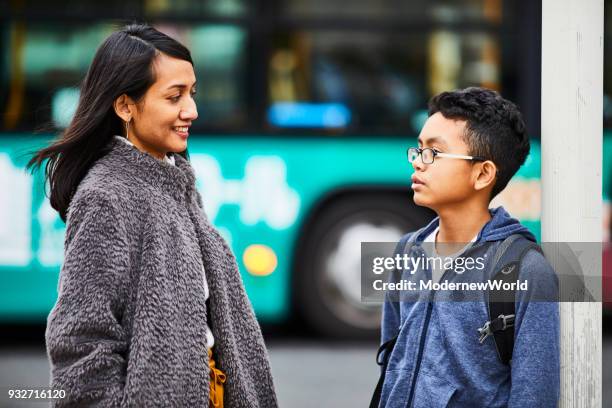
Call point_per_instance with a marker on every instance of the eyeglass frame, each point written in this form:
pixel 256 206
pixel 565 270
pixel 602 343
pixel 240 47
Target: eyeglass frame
pixel 435 153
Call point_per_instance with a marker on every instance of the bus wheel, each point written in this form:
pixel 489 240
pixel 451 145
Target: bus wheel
pixel 327 288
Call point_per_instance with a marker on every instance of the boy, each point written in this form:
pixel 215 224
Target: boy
pixel 472 144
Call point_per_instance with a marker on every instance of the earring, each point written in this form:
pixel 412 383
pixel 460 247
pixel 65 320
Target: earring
pixel 127 129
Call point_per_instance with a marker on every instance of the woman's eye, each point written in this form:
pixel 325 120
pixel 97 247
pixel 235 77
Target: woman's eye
pixel 175 98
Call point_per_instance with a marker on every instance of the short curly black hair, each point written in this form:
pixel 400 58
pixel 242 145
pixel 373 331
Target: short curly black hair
pixel 495 128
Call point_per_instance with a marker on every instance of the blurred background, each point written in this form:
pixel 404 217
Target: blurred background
pixel 306 108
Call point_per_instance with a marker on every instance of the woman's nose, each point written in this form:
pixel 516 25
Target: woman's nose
pixel 189 112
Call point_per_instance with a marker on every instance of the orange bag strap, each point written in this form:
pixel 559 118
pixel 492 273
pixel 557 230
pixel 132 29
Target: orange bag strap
pixel 217 378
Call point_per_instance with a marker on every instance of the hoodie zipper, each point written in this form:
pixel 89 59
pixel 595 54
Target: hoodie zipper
pixel 425 330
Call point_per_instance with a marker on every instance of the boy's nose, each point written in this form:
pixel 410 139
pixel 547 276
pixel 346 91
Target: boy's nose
pixel 417 164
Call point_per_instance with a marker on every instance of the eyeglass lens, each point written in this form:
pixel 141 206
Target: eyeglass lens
pixel 427 155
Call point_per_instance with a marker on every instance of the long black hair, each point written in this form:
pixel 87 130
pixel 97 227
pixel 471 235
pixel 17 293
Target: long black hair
pixel 123 64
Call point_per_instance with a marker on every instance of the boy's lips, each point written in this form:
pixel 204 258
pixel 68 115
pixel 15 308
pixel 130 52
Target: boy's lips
pixel 416 180
pixel 417 183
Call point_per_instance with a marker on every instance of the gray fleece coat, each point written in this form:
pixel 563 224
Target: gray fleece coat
pixel 128 328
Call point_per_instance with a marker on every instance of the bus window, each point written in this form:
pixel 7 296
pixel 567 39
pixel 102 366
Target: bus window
pixel 41 70
pixel 438 10
pixel 44 63
pixel 360 81
pixel 128 9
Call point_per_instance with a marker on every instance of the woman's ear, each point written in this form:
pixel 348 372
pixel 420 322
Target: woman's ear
pixel 123 106
pixel 486 173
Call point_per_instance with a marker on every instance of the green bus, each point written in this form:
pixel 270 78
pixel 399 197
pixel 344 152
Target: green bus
pixel 306 109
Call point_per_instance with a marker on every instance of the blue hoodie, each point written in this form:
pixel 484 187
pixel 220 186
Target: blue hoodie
pixel 438 361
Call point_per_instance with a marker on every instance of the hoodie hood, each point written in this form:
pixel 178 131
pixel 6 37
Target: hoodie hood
pixel 500 226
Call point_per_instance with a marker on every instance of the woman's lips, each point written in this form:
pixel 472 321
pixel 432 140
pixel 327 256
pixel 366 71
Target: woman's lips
pixel 183 133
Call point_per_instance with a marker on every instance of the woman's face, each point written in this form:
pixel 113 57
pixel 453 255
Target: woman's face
pixel 160 121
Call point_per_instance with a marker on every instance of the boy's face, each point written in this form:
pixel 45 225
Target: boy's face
pixel 447 181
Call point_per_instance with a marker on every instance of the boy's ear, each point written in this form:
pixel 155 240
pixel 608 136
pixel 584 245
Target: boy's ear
pixel 123 107
pixel 485 174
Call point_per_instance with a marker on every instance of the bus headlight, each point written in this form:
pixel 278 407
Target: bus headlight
pixel 259 260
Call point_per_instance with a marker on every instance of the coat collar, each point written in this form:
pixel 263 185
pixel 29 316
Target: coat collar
pixel 177 180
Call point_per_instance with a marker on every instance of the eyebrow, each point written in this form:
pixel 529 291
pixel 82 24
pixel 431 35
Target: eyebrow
pixel 179 86
pixel 434 139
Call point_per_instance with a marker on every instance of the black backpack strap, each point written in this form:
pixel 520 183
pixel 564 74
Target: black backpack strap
pixel 384 351
pixel 501 303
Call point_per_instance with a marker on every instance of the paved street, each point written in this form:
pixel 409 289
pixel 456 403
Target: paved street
pixel 308 373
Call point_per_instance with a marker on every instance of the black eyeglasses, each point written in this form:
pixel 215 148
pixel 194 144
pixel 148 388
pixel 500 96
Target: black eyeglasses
pixel 428 155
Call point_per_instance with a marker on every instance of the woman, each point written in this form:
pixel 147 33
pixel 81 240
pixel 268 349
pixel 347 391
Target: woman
pixel 151 308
